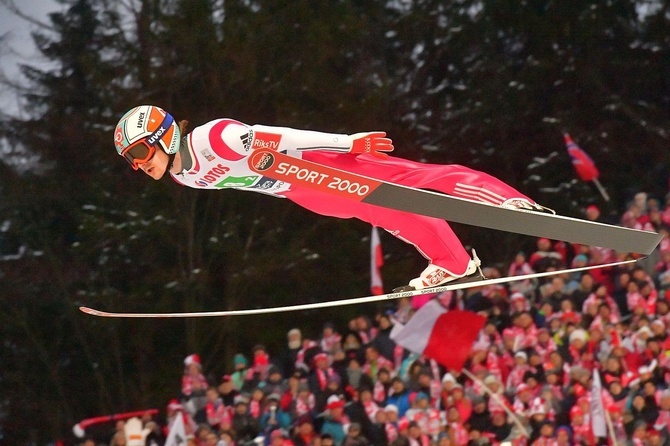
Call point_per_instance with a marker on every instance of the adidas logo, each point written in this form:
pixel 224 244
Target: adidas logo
pixel 246 140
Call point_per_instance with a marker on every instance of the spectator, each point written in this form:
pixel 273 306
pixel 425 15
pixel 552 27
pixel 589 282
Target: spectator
pixel 336 422
pixel 260 367
pixel 500 429
pixel 376 432
pixel 520 267
pixel 240 363
pixel 244 425
pixel 273 417
pixel 354 436
pixel 330 338
pixel 327 440
pixel 227 391
pixel 374 361
pixel 319 375
pixel 399 396
pixel 304 434
pixel 215 409
pixel 275 381
pixel 304 401
pixel 544 258
pixel 416 435
pixel 193 388
pixel 288 357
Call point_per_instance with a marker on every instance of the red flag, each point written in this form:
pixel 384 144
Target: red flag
pixel 584 165
pixel 445 336
pixel 376 262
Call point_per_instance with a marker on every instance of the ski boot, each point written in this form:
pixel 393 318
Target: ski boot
pixel 524 204
pixel 434 276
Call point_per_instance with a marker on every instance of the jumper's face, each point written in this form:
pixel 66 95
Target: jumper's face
pixel 156 166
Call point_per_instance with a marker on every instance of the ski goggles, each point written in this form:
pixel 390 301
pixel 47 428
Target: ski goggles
pixel 144 149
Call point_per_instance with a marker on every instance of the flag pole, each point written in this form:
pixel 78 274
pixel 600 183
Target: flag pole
pixel 601 189
pixel 610 428
pixel 495 396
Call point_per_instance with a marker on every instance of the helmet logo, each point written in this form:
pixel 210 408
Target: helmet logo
pixel 160 131
pixel 140 120
pixel 152 139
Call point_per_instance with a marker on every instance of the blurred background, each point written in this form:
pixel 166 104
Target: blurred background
pixel 490 84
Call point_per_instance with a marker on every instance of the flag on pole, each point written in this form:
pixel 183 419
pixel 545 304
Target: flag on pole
pixel 598 423
pixel 376 262
pixel 583 164
pixel 445 336
pixel 177 435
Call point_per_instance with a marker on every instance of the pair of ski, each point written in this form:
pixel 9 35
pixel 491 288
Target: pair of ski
pixel 282 167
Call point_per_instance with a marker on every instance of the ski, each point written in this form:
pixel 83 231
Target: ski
pixel 282 167
pixel 354 301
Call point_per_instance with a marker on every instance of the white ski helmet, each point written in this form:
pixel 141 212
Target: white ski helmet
pixel 141 130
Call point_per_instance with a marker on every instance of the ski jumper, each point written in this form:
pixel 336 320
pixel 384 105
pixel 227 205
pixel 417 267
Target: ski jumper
pixel 215 157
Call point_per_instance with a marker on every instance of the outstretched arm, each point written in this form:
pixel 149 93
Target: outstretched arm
pixel 284 138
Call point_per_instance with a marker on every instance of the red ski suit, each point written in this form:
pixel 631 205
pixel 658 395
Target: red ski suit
pixel 215 157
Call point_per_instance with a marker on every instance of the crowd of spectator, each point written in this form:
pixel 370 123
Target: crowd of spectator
pixel 529 379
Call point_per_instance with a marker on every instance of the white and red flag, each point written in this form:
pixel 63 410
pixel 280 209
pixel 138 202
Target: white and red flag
pixel 584 166
pixel 445 336
pixel 177 435
pixel 598 422
pixel 376 262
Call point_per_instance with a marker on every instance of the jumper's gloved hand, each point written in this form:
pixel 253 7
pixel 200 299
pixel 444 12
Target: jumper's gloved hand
pixel 374 143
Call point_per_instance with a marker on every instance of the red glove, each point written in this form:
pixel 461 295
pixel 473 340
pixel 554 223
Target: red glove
pixel 373 143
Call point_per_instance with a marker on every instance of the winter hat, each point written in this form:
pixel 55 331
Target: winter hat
pixel 391 408
pixel 448 377
pixel 240 359
pixel 580 259
pixel 192 359
pixel 523 387
pixel 579 334
pixel 174 405
pixel 334 402
pixel 335 378
pixel 274 396
pixel 421 396
pixel 303 419
pixel 240 399
pixel 491 379
pixel 517 296
pixel 521 355
pixel 576 410
pixel 278 433
pixel 566 429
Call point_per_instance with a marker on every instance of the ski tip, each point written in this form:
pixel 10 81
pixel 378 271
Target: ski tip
pixel 91 311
